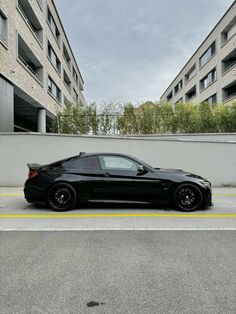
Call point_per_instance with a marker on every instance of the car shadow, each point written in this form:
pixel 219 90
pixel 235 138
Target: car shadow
pixel 110 206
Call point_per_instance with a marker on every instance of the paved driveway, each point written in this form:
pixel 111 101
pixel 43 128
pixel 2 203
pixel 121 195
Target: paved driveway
pixel 17 214
pixel 131 272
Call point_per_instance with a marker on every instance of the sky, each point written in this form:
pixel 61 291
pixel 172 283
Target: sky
pixel 131 50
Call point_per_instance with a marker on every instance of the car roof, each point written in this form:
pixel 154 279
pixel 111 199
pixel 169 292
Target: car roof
pixel 83 154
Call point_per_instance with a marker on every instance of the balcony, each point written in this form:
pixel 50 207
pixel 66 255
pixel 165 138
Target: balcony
pixel 66 56
pixel 67 81
pixel 31 19
pixel 229 62
pixel 191 94
pixel 229 92
pixel 28 59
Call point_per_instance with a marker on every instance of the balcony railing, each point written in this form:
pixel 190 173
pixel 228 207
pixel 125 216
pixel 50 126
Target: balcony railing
pixel 29 67
pixel 231 96
pixel 229 66
pixel 28 22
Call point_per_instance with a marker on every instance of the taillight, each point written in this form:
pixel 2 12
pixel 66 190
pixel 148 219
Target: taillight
pixel 32 174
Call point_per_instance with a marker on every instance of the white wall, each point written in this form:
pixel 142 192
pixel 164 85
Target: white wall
pixel 213 160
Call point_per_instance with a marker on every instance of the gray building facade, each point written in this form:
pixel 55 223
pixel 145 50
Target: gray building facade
pixel 210 74
pixel 39 74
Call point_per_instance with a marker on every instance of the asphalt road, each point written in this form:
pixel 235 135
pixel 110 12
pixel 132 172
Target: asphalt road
pixel 118 272
pixel 17 214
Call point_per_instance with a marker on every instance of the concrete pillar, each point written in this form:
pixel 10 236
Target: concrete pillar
pixel 6 106
pixel 42 120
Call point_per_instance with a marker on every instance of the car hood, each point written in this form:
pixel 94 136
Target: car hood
pixel 177 172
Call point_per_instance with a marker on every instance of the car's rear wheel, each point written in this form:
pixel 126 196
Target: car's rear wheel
pixel 62 197
pixel 188 197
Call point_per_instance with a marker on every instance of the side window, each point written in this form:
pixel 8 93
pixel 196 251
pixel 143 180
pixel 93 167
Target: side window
pixel 83 163
pixel 118 163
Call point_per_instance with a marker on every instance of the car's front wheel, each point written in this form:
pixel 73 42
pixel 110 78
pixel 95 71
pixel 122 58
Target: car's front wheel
pixel 188 197
pixel 62 197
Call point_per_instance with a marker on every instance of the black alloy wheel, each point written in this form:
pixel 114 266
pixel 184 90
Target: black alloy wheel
pixel 62 197
pixel 188 197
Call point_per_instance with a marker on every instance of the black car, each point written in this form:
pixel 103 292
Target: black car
pixel 107 177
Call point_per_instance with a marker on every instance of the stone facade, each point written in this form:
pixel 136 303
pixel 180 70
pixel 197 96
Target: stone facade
pixel 18 73
pixel 224 79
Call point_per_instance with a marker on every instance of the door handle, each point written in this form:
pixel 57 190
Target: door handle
pixel 106 174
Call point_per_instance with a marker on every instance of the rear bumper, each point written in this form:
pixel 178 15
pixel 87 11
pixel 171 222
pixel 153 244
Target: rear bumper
pixel 34 194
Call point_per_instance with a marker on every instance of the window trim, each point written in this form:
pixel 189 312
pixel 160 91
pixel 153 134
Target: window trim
pixel 117 169
pixel 58 40
pixel 179 90
pixel 58 72
pixel 5 44
pixel 211 83
pixel 50 93
pixel 212 56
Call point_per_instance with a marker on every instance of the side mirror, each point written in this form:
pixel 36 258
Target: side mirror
pixel 141 169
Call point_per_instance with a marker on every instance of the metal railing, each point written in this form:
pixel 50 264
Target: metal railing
pixel 29 67
pixel 28 21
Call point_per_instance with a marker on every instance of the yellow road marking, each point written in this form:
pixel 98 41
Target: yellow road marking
pixel 117 215
pixel 224 194
pixel 11 194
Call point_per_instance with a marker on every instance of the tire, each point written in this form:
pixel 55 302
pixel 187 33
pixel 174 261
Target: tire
pixel 187 197
pixel 62 197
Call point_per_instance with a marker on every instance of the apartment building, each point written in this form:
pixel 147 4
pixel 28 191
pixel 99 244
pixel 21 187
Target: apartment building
pixel 39 74
pixel 210 74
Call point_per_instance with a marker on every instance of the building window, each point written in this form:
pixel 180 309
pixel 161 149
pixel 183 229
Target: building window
pixel 3 27
pixel 169 96
pixel 31 19
pixel 66 56
pixel 179 101
pixel 207 55
pixel 229 31
pixel 66 101
pixel 179 86
pixel 229 92
pixel 66 80
pixel 229 62
pixel 53 89
pixel 75 76
pixel 208 79
pixel 53 27
pixel 75 96
pixel 53 58
pixel 29 60
pixel 211 100
pixel 81 87
pixel 40 2
pixel 190 74
pixel 191 93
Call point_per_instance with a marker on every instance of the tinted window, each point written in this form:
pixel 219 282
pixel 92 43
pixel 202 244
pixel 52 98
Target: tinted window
pixel 83 163
pixel 118 163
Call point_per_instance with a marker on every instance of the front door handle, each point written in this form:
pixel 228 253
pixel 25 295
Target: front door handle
pixel 106 174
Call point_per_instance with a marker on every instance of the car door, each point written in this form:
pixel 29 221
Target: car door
pixel 123 181
pixel 86 175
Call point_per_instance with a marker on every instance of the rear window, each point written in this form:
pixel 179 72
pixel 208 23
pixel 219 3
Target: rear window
pixel 83 163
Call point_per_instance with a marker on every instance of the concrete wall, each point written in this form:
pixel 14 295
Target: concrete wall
pixel 210 159
pixel 6 106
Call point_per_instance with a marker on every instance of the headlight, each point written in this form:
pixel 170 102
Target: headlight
pixel 206 183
